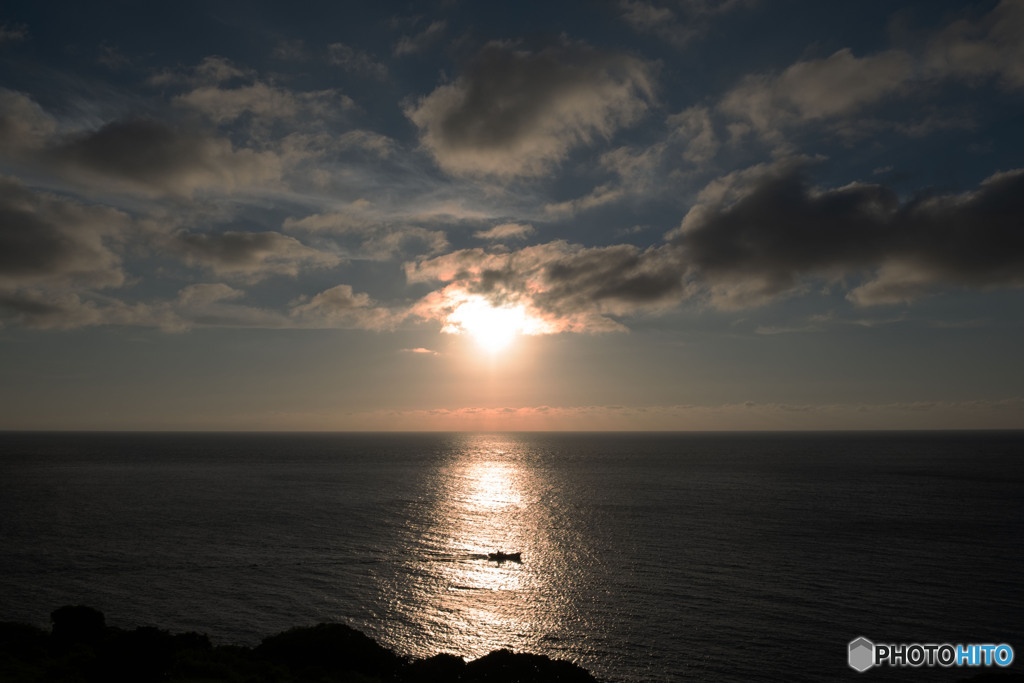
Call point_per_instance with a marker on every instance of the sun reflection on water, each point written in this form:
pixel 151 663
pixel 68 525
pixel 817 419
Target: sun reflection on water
pixel 488 498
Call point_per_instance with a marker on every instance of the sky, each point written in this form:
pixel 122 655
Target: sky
pixel 452 215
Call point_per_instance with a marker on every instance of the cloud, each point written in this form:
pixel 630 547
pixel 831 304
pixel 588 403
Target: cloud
pixel 213 305
pixel 42 309
pixel 991 414
pixel 13 33
pixel 341 307
pixel 836 88
pixel 560 287
pixel 677 22
pixel 368 141
pixel 208 293
pixel 693 127
pixel 142 156
pixel 198 305
pixel 765 232
pixel 112 58
pixel 51 241
pixel 605 193
pixel 362 233
pixel 408 45
pixel 290 51
pixel 644 16
pixel 517 113
pixel 154 158
pixel 754 236
pixel 24 126
pixel 211 71
pixel 505 231
pixel 991 46
pixel 249 255
pixel 356 217
pixel 617 280
pixel 263 101
pixel 810 90
pixel 57 254
pixel 639 174
pixel 421 351
pixel 356 61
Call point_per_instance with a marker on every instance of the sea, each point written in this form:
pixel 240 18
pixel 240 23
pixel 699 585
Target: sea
pixel 644 556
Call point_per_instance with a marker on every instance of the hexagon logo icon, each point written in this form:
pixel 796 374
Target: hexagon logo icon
pixel 862 654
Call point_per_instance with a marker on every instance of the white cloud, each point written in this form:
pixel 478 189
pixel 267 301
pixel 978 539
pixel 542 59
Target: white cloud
pixel 836 86
pixel 341 307
pixel 505 231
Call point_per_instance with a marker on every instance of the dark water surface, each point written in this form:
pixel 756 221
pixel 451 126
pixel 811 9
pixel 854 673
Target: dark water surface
pixel 646 557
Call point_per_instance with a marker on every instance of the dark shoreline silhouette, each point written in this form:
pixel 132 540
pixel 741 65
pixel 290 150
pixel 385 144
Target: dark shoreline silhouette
pixel 81 648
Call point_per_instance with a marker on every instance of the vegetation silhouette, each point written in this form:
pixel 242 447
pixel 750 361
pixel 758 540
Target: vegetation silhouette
pixel 81 648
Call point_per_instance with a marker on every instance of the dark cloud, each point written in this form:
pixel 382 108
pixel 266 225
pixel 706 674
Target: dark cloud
pixel 516 112
pixel 755 235
pixel 151 157
pixel 249 255
pixel 44 310
pixel 770 236
pixel 154 158
pixel 49 240
pixel 621 277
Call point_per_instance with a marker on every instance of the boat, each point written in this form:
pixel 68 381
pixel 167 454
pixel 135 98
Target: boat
pixel 505 557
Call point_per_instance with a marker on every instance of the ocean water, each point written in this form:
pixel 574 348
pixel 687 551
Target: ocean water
pixel 645 557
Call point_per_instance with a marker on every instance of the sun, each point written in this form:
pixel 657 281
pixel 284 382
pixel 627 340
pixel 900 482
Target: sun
pixel 494 328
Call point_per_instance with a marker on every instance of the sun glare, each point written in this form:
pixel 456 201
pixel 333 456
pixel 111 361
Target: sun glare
pixel 493 328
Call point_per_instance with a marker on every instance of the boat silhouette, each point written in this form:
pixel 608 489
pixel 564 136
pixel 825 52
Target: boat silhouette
pixel 505 557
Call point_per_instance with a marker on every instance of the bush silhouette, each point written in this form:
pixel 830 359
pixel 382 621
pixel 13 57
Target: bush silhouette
pixel 77 624
pixel 81 648
pixel 505 666
pixel 331 647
